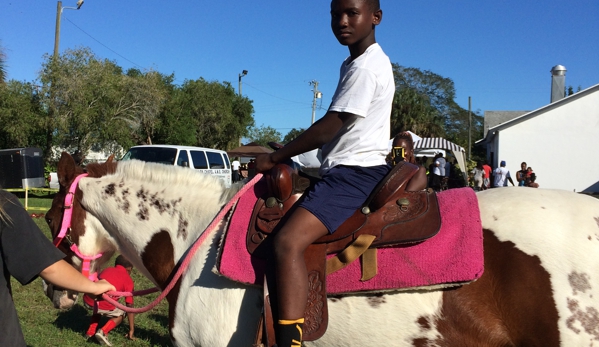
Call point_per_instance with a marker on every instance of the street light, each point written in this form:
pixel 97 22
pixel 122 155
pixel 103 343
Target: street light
pixel 59 9
pixel 243 73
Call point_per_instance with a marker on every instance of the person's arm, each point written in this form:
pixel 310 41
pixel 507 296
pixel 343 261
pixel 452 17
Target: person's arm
pixel 314 137
pixel 509 178
pixel 62 274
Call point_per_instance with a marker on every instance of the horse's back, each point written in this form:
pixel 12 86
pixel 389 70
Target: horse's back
pixel 542 255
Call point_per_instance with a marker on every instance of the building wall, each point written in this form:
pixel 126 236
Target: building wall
pixel 560 143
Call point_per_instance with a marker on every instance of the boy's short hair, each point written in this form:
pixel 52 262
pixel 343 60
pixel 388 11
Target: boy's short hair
pixel 374 5
pixel 122 261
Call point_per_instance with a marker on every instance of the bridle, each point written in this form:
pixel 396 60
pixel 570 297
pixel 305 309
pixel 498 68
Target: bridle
pixel 65 230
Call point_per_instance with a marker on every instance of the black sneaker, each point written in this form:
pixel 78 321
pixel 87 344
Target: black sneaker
pixel 102 338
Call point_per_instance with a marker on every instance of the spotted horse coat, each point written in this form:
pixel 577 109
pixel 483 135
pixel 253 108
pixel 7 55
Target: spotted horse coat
pixel 540 286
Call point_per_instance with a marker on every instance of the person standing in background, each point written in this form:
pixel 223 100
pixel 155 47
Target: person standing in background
pixel 478 175
pixel 502 176
pixel 235 165
pixel 487 178
pixel 442 163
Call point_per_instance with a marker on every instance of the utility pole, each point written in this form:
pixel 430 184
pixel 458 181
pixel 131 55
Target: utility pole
pixel 469 128
pixel 243 73
pixel 57 30
pixel 59 9
pixel 317 95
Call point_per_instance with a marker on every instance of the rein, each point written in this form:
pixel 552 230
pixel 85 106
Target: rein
pixel 66 228
pixel 186 261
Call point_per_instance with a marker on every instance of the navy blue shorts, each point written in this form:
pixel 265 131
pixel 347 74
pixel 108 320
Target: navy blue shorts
pixel 341 191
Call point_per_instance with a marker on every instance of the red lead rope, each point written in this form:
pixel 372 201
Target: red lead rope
pixel 185 262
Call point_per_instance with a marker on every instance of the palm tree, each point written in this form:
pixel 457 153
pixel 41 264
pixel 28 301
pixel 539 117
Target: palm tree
pixel 2 66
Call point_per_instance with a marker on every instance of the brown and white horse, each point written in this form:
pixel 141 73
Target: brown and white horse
pixel 540 286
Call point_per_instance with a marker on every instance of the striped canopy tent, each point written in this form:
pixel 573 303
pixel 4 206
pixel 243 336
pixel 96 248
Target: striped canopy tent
pixel 441 143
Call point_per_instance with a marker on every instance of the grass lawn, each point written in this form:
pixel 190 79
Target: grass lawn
pixel 43 325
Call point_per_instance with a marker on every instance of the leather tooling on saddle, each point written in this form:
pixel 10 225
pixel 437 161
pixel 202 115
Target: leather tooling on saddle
pixel 392 215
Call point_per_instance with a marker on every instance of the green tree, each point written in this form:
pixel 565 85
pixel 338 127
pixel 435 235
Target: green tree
pixel 420 101
pixel 20 121
pixel 206 114
pixel 292 134
pixel 2 66
pixel 262 135
pixel 425 104
pixel 90 102
pixel 439 90
pixel 413 111
pixel 147 95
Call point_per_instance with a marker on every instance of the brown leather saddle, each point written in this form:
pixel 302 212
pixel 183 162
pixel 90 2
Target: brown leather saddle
pixel 399 211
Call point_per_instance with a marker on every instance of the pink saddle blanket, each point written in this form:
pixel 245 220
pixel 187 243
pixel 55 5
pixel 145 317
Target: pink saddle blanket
pixel 452 257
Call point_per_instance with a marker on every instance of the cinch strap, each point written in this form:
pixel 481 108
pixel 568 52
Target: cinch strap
pixel 352 252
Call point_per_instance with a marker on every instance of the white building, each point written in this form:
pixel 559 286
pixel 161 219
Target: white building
pixel 559 141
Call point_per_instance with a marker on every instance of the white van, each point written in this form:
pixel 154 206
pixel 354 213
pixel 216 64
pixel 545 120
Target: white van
pixel 206 160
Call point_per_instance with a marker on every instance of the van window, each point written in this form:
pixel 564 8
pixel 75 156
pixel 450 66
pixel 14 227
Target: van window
pixel 227 161
pixel 183 159
pixel 215 160
pixel 199 160
pixel 152 154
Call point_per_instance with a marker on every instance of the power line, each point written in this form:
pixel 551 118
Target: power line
pixel 110 49
pixel 274 96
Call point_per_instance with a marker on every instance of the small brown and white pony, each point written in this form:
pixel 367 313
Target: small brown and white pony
pixel 540 286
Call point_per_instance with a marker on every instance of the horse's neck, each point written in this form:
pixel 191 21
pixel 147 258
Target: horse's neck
pixel 151 220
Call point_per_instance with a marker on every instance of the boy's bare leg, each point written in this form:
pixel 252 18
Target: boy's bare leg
pixel 300 230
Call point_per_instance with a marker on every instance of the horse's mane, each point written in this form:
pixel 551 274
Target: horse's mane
pixel 167 176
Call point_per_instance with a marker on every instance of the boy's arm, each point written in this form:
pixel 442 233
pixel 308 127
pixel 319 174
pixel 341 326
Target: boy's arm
pixel 64 275
pixel 314 137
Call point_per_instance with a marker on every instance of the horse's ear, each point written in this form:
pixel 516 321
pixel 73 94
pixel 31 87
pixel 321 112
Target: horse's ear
pixel 66 169
pixel 110 159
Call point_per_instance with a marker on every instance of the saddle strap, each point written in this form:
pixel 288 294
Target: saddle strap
pixel 369 264
pixel 350 254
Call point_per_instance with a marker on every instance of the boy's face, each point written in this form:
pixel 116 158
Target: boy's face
pixel 353 21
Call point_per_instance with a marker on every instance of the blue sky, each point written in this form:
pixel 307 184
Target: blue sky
pixel 497 52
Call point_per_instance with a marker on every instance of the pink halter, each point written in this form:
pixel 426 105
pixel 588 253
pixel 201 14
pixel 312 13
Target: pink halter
pixel 66 227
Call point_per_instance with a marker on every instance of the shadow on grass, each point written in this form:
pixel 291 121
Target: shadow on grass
pixel 162 320
pixel 77 320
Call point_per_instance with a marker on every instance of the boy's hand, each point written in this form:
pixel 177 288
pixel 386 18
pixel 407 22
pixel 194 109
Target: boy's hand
pixel 129 335
pixel 264 162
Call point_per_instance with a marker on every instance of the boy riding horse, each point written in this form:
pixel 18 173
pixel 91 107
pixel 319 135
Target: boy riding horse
pixel 354 136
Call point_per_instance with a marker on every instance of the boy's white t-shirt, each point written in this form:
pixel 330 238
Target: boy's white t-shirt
pixel 365 89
